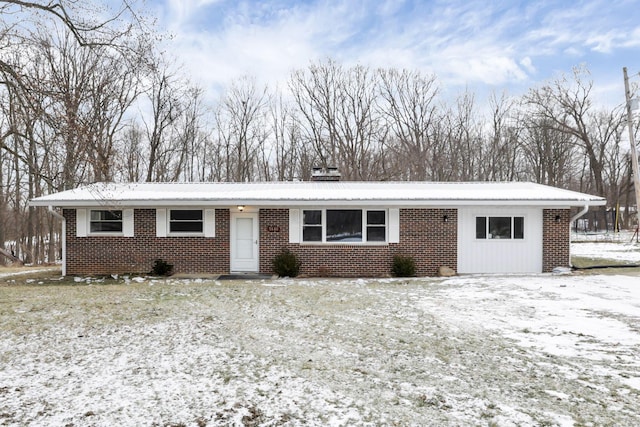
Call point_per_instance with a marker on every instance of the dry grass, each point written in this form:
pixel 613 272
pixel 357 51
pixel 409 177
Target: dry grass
pixel 342 352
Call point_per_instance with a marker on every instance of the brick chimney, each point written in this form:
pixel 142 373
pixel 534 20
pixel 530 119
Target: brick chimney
pixel 329 173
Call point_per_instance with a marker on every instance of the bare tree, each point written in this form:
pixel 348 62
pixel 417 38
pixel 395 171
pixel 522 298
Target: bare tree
pixel 408 102
pixel 314 92
pixel 190 136
pixel 44 78
pixel 566 106
pixel 461 132
pixel 549 155
pixel 130 154
pixel 68 69
pixel 290 158
pixel 338 117
pixel 607 128
pixel 113 89
pixel 501 160
pixel 164 94
pixel 242 129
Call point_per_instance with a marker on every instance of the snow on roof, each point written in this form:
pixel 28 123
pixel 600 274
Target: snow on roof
pixel 403 193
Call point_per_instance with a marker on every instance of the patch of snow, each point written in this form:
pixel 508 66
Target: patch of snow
pixel 619 251
pixel 633 382
pixel 508 350
pixel 561 270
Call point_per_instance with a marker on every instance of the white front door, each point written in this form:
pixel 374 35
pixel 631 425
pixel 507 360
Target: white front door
pixel 244 242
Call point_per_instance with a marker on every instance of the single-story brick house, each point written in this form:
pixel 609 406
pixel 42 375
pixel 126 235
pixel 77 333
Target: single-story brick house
pixel 336 228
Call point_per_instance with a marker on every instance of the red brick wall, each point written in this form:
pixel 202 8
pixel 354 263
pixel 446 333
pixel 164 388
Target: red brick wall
pixel 555 239
pixel 97 255
pixel 274 235
pixel 423 235
pixel 430 240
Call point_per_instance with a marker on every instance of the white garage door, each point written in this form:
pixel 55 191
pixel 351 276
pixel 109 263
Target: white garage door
pixel 499 240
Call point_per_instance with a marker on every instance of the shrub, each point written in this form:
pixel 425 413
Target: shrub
pixel 403 266
pixel 161 268
pixel 286 264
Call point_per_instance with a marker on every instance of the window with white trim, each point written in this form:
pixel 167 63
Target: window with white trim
pixel 376 226
pixel 186 221
pixel 312 226
pixel 499 227
pixel 105 221
pixel 344 225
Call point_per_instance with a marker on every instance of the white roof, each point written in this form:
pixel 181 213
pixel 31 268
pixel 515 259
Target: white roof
pixel 342 193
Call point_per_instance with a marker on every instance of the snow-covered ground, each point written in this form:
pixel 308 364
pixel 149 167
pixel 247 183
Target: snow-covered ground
pixel 613 246
pixel 504 350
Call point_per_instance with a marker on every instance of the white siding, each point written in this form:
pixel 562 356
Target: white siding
pixel 127 222
pixel 294 225
pixel 81 223
pixel 161 222
pixel 394 225
pixel 209 223
pixel 504 255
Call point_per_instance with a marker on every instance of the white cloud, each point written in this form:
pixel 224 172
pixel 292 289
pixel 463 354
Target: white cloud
pixel 527 63
pixel 460 41
pixel 268 49
pixel 573 51
pixel 631 38
pixel 602 42
pixel 491 69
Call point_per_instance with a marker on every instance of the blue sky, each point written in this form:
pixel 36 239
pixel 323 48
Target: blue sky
pixel 479 45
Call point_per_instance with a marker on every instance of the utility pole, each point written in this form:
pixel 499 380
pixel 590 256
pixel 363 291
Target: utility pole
pixel 634 154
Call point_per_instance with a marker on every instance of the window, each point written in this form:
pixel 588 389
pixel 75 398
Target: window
pixel 185 221
pixel 344 225
pixel 499 227
pixel 518 227
pixel 312 226
pixel 105 221
pixel 376 226
pixel 481 227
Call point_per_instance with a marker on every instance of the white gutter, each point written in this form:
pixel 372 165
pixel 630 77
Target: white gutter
pixel 579 214
pixel 228 202
pixel 63 238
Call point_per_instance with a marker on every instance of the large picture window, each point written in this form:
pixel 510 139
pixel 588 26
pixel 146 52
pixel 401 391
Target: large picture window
pixel 186 221
pixel 344 225
pixel 105 221
pixel 499 227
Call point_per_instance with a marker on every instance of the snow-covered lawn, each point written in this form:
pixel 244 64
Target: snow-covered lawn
pixel 617 251
pixel 503 350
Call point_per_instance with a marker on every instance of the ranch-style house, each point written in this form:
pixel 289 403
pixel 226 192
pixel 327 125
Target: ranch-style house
pixel 336 228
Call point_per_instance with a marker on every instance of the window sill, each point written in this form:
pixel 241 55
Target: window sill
pixel 500 240
pixel 364 244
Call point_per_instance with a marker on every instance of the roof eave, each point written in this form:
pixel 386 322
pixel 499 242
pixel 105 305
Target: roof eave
pixel 316 202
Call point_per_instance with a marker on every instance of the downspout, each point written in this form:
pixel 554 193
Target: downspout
pixel 63 238
pixel 579 214
pixel 574 218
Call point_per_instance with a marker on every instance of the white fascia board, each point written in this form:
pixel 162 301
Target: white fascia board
pixel 379 203
pixel 292 203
